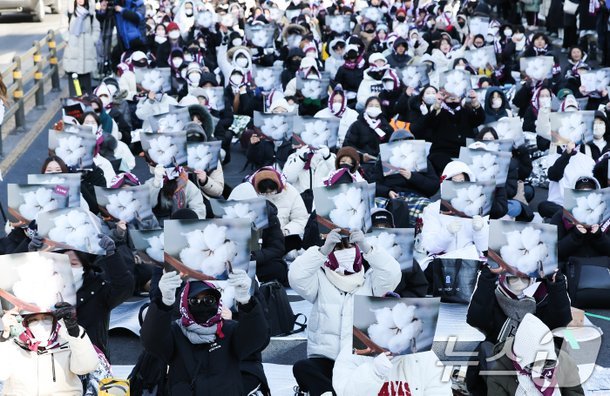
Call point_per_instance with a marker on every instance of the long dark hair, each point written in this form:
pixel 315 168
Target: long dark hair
pixel 60 162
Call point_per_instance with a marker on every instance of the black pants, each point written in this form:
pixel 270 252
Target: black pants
pixel 314 375
pixel 532 18
pixel 570 36
pixel 547 209
pixel 84 81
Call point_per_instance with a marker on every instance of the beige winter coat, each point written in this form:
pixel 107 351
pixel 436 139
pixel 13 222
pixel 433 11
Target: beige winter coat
pixel 80 53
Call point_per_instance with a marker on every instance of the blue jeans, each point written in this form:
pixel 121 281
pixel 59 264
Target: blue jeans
pixel 514 208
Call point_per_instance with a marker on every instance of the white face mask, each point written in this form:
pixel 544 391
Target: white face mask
pixel 241 62
pixel 174 34
pixel 518 36
pixel 77 276
pixel 545 102
pixel 237 42
pixel 336 107
pixel 194 78
pixel 599 130
pixel 508 32
pixel 236 79
pixel 188 57
pixel 345 259
pixel 517 285
pixel 177 62
pixel 460 67
pixel 41 329
pixel 160 39
pixel 388 85
pixel 496 103
pixel 373 112
pixel 429 99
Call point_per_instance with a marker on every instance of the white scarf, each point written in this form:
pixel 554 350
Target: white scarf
pixel 345 283
pixel 198 334
pixel 77 27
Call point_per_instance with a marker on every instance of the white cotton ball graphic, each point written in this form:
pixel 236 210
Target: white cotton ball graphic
pixel 170 123
pixel 589 209
pixel 411 77
pixel 162 150
pixel 239 211
pixel 75 229
pixel 602 80
pixel 337 24
pixel 524 250
pixel 70 149
pixel 265 78
pixel 199 156
pixel 507 129
pixel 479 59
pixel 209 251
pixel 38 201
pixel 311 89
pixel 469 200
pixel 456 83
pixel 350 209
pixel 123 206
pixel 537 68
pixel 39 284
pixel 396 328
pixel 573 127
pixel 386 241
pixel 152 81
pixel 404 156
pixel 484 167
pixel 155 250
pixel 401 30
pixel 275 127
pixel 315 133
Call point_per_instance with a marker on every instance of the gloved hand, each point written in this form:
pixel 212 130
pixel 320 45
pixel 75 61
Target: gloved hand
pixel 107 244
pixel 477 223
pixel 302 153
pixel 357 237
pixel 35 243
pixel 240 280
pixel 323 152
pixel 454 227
pixel 120 231
pixel 424 109
pixel 11 324
pixel 67 312
pixel 332 239
pixel 168 284
pixel 159 175
pixel 382 365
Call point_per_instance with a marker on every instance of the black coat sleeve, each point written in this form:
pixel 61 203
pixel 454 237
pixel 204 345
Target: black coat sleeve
pixel 273 243
pixel 500 204
pixel 556 312
pixel 555 172
pixel 525 162
pixel 261 154
pixel 601 243
pixel 568 241
pixel 511 178
pixel 481 309
pixel 156 333
pixel 120 280
pixel 252 333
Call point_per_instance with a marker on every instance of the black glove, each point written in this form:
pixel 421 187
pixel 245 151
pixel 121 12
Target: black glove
pixel 67 312
pixel 35 243
pixel 107 244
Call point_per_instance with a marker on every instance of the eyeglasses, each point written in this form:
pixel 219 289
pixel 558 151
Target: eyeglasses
pixel 207 300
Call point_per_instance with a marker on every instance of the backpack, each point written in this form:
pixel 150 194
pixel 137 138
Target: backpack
pixel 280 317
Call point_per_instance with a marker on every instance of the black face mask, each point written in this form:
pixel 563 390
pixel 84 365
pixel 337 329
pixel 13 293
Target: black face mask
pixel 202 313
pixel 453 105
pixel 462 24
pixel 400 18
pixel 347 166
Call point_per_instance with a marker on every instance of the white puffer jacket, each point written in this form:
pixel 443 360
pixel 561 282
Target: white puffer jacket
pixel 331 319
pixel 299 177
pixel 347 119
pixel 291 210
pixel 194 199
pixel 48 374
pixel 580 165
pixel 355 375
pixel 80 55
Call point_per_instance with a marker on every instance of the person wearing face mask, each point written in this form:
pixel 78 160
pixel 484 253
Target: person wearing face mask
pixel 80 54
pixel 203 349
pixel 329 277
pixel 336 47
pixel 496 105
pixel 292 213
pixel 601 135
pixel 367 133
pixel 308 167
pixel 346 168
pixel 399 56
pixel 392 89
pixel 47 354
pixel 351 73
pixel 337 109
pixel 185 16
pixel 536 117
pixel 417 46
pixel 117 107
pixel 412 109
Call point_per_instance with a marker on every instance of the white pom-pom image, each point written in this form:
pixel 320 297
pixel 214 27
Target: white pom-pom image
pixel 589 209
pixel 259 38
pixel 123 206
pixel 396 328
pixel 484 167
pixel 239 211
pixel 265 78
pixel 350 209
pixel 275 127
pixel 39 284
pixel 469 200
pixel 199 156
pixel 75 229
pixel 152 80
pixel 479 59
pixel 602 80
pixel 401 30
pixel 209 250
pixel 315 133
pixel 456 83
pixel 311 89
pixel 337 24
pixel 405 157
pixel 386 241
pixel 537 68
pixel 507 129
pixel 38 201
pixel 524 250
pixel 573 127
pixel 170 123
pixel 155 249
pixel 411 77
pixel 70 149
pixel 162 150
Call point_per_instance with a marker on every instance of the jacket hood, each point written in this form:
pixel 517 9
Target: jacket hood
pixel 242 192
pixel 455 168
pixel 490 92
pixel 204 116
pixel 235 51
pixel 333 43
pixel 533 340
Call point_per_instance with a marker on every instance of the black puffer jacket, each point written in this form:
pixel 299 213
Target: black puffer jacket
pixel 422 183
pixel 270 264
pixel 485 313
pixel 573 243
pixel 15 242
pixel 364 139
pixel 205 369
pixel 448 132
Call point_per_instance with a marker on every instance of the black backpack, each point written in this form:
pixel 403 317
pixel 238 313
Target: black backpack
pixel 280 317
